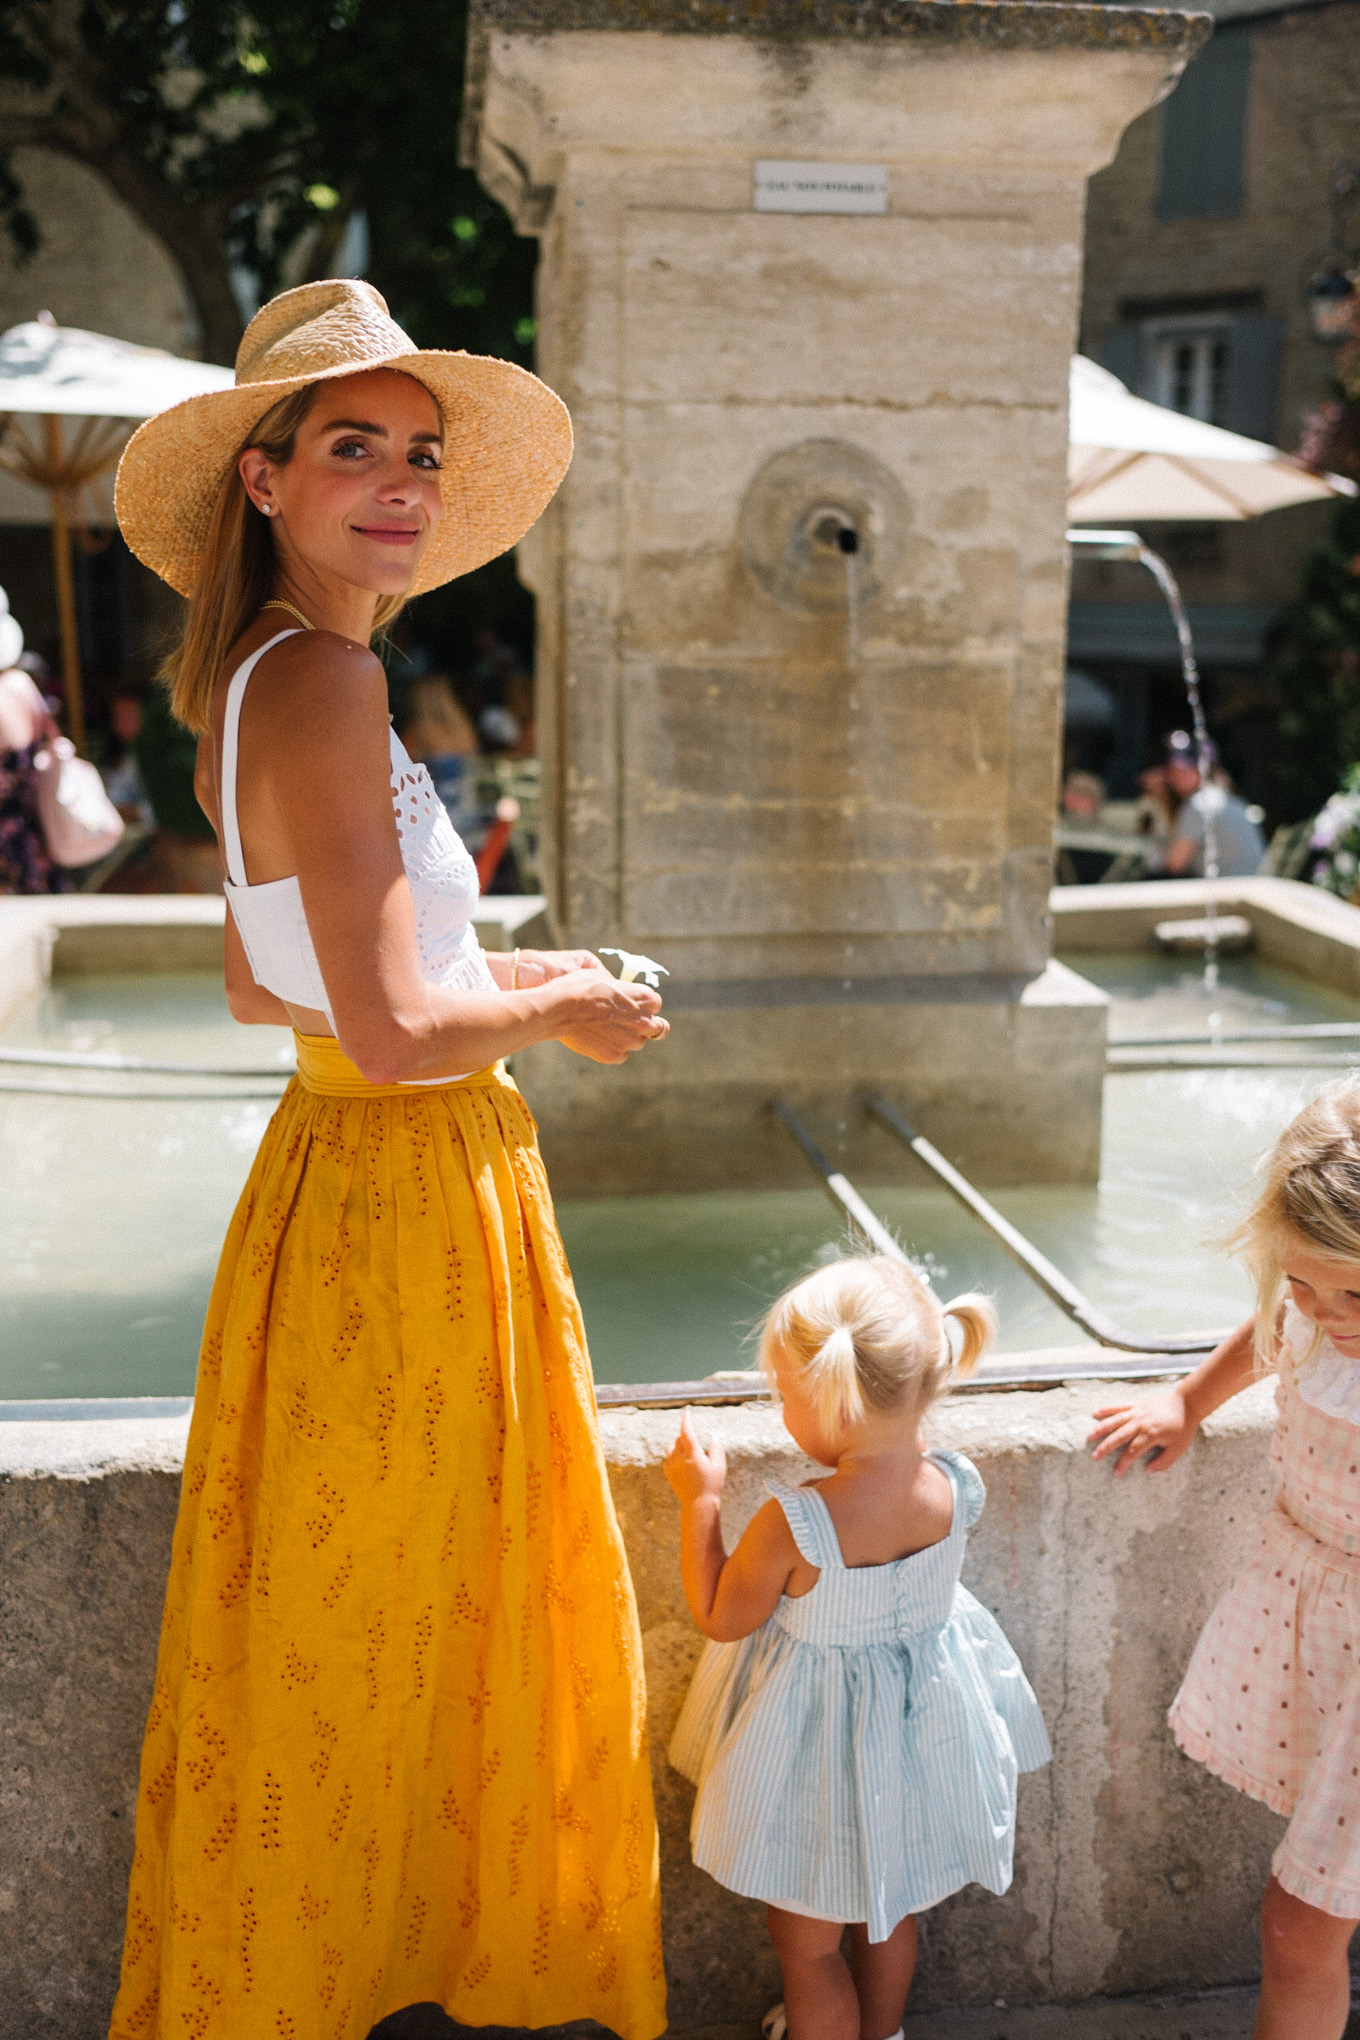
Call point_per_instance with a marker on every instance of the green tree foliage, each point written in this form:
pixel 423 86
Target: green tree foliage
pixel 1316 670
pixel 247 139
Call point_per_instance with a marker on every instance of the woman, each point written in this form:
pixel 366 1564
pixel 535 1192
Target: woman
pixel 395 1751
pixel 26 725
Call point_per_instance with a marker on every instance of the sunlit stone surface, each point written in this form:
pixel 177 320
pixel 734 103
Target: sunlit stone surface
pixel 819 785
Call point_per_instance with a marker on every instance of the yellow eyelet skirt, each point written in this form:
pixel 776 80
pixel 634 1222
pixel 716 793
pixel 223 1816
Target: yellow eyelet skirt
pixel 395 1753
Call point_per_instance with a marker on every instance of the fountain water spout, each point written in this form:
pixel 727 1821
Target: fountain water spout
pixel 1127 545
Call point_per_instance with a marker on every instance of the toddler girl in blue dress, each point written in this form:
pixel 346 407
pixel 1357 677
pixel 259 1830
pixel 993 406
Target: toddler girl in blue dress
pixel 857 1722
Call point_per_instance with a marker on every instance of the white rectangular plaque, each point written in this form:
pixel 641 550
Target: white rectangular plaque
pixel 821 187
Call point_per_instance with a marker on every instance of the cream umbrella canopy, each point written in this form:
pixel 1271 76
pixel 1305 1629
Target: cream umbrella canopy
pixel 98 389
pixel 1132 462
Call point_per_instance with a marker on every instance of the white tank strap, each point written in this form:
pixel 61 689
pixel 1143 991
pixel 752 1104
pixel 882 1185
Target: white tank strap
pixel 231 730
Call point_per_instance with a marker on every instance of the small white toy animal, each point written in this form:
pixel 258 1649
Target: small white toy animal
pixel 637 969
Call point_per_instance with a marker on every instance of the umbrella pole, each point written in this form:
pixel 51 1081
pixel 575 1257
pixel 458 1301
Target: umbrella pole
pixel 66 594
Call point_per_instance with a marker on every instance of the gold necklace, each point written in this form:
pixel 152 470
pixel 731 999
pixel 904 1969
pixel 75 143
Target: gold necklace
pixel 277 602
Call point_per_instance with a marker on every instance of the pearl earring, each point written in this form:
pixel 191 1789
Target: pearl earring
pixel 268 509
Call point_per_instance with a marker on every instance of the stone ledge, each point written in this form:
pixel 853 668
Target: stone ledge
pixel 998 24
pixel 1301 927
pixel 78 934
pixel 1134 1869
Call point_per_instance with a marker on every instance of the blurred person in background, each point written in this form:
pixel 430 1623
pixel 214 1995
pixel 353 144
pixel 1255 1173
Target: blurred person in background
pixel 1237 828
pixel 26 724
pixel 1083 796
pixel 439 734
pixel 123 775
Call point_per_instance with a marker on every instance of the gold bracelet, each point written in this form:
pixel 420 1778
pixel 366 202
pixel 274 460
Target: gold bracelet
pixel 514 973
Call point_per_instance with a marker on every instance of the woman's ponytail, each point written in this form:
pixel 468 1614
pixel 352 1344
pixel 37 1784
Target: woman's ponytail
pixel 976 1319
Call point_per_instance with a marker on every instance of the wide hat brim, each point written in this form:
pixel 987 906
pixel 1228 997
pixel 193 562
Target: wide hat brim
pixel 507 445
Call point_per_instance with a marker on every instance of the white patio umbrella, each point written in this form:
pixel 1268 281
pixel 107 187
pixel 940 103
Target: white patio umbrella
pixel 1132 462
pixel 54 373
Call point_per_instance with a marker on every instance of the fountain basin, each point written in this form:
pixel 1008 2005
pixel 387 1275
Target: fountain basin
pixel 671 1283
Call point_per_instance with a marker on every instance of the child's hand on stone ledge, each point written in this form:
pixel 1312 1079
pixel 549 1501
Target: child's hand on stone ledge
pixel 693 1469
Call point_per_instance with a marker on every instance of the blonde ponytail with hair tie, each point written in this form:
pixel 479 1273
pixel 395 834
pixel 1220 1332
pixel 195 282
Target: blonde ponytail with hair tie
pixel 975 1317
pixel 867 1335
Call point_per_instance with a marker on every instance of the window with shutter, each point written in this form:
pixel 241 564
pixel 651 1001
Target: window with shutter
pixel 1219 365
pixel 1186 365
pixel 1254 374
pixel 1204 126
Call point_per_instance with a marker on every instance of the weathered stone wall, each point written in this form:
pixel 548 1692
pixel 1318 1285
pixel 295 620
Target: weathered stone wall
pixel 747 772
pixel 1134 1869
pixel 695 1113
pixel 818 787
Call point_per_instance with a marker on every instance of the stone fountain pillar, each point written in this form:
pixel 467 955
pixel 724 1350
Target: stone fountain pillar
pixel 809 280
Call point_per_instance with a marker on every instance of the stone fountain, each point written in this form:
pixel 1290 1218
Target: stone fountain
pixel 809 283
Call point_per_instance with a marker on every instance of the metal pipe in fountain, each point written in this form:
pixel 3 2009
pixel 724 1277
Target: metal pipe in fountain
pixel 1127 545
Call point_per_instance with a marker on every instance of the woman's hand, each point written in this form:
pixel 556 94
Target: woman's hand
pixel 538 966
pixel 695 1470
pixel 607 1021
pixel 1157 1429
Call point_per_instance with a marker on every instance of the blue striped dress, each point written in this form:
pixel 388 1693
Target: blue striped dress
pixel 856 1756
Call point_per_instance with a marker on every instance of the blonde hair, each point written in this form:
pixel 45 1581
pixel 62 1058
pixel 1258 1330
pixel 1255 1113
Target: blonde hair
pixel 1310 1189
pixel 867 1334
pixel 236 576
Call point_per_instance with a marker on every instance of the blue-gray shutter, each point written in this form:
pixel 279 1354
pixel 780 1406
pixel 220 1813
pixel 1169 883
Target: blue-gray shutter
pixel 1120 354
pixel 1204 125
pixel 1254 374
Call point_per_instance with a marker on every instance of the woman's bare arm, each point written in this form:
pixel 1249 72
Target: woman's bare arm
pixel 537 966
pixel 24 714
pixel 320 722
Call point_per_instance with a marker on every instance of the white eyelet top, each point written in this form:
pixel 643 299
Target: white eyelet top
pixel 442 877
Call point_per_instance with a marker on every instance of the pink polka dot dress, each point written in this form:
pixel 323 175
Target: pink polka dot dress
pixel 1271 1700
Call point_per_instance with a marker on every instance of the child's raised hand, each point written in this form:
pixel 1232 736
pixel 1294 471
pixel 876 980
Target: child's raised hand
pixel 694 1469
pixel 1156 1428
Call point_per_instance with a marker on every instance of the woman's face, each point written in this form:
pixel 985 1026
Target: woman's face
pixel 1326 1292
pixel 360 497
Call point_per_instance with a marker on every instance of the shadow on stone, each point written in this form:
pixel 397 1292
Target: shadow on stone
pixel 432 2022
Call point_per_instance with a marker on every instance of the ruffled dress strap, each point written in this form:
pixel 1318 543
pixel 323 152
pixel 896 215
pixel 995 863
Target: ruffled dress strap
pixel 809 1520
pixel 970 1492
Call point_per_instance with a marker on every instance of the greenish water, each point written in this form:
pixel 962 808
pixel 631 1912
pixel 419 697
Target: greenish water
pixel 112 1211
pixel 1152 994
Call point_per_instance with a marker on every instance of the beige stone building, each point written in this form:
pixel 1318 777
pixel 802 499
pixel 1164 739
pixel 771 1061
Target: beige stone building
pixel 1200 240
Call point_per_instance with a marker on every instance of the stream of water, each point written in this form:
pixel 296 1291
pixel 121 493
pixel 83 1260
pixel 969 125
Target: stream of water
pixel 1210 795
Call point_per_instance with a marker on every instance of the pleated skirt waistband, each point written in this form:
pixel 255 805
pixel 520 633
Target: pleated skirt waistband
pixel 324 1069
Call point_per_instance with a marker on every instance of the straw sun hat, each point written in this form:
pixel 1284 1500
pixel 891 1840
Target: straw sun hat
pixel 507 438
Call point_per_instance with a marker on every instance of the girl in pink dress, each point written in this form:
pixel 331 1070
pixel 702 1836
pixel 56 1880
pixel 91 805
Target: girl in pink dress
pixel 1271 1700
